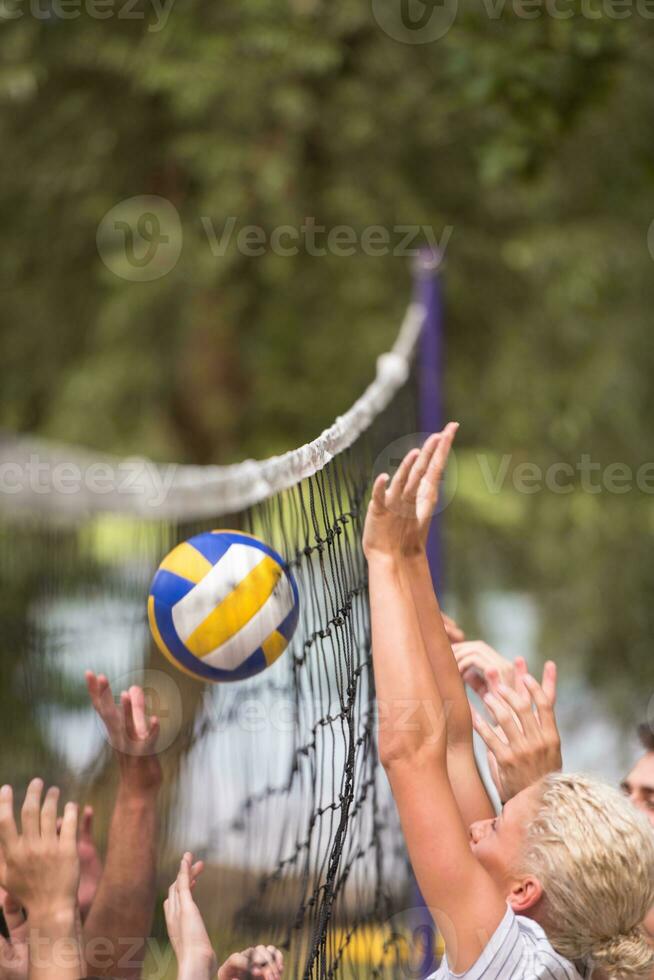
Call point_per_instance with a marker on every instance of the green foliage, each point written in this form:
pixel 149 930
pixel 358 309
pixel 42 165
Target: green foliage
pixel 531 138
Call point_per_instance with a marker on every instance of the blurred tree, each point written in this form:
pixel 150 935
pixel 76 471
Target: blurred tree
pixel 530 138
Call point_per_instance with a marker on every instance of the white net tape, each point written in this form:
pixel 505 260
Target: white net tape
pixel 72 483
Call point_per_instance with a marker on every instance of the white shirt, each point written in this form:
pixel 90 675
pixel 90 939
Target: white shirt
pixel 517 950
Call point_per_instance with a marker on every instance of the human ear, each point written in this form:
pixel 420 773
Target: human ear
pixel 525 894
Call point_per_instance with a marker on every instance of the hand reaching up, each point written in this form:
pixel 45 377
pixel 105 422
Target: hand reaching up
pixel 525 744
pixel 41 873
pixel 400 514
pixel 186 929
pixel 41 866
pixel 262 962
pixel 131 732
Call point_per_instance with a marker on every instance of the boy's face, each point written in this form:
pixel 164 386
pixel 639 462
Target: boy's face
pixel 498 844
pixel 639 785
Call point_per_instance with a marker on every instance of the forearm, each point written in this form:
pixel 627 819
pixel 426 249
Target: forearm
pixel 411 711
pixel 55 945
pixel 196 969
pixel 121 915
pixel 414 753
pixel 439 650
pixel 467 785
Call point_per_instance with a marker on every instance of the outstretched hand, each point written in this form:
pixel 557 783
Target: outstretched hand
pixel 525 745
pixel 41 869
pixel 400 513
pixel 186 929
pixel 131 732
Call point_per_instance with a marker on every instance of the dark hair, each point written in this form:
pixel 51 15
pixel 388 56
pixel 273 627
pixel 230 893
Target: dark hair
pixel 646 736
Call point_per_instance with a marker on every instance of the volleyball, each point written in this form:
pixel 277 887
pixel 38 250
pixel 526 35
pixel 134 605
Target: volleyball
pixel 223 606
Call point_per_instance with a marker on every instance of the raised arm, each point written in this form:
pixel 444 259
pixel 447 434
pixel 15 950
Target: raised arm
pixel 412 735
pixel 121 914
pixel 423 486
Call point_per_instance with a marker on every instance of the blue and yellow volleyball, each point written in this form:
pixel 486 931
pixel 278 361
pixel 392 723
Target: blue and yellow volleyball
pixel 223 606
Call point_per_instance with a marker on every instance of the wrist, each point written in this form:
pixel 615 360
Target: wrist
pixel 415 557
pixel 137 792
pixel 384 560
pixel 197 966
pixel 53 917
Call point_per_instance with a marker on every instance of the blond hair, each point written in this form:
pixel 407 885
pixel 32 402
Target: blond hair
pixel 594 856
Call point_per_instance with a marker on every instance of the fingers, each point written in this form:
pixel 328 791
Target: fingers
pixel 196 870
pixel 86 826
pixel 92 685
pixel 31 810
pixel 398 483
pixel 277 956
pixel 49 813
pixel 263 960
pixel 453 630
pixel 237 965
pixel 184 876
pixel 13 913
pixel 420 466
pixel 474 680
pixel 519 669
pixel 103 702
pixel 68 835
pixel 137 698
pixel 492 741
pixel 379 491
pixel 8 831
pixel 549 681
pixel 521 706
pixel 504 716
pixel 544 707
pixel 438 461
pixel 128 716
pixel 171 907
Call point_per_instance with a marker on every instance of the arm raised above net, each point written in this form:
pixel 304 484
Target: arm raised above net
pixel 413 741
pixel 421 499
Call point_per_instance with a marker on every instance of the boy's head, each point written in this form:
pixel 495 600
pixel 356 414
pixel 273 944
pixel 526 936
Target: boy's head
pixel 572 853
pixel 639 784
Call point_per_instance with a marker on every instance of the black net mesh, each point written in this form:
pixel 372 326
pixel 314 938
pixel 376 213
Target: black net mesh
pixel 275 780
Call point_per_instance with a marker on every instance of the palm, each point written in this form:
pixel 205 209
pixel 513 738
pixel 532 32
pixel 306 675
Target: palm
pixel 399 515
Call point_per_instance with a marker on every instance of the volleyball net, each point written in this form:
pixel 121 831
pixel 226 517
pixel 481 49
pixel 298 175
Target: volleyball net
pixel 274 780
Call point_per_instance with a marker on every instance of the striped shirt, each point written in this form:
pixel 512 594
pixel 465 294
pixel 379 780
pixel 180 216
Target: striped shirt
pixel 517 950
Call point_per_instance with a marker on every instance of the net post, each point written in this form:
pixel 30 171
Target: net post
pixel 427 290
